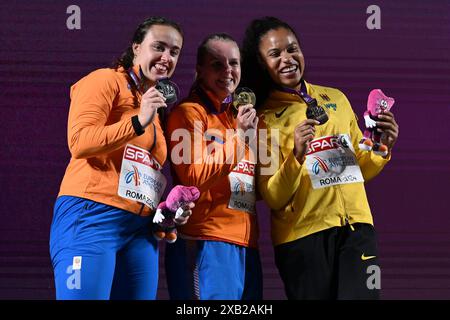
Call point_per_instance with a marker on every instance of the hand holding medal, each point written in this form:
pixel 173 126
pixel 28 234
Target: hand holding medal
pixel 169 90
pixel 241 97
pixel 316 112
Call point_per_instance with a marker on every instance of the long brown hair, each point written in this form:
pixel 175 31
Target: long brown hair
pixel 127 57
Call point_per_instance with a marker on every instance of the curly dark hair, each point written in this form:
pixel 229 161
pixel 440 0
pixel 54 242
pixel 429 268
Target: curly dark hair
pixel 254 76
pixel 127 57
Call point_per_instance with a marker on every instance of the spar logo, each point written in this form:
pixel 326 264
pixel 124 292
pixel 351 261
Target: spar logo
pixel 245 167
pixel 141 156
pixel 133 175
pixel 319 164
pixel 328 143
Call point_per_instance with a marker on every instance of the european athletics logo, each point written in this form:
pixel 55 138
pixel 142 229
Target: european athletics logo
pixel 133 175
pixel 241 187
pixel 320 163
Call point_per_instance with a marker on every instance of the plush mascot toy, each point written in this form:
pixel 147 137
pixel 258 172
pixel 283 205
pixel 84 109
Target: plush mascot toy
pixel 376 103
pixel 172 209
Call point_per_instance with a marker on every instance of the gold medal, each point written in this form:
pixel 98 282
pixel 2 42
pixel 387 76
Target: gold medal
pixel 243 96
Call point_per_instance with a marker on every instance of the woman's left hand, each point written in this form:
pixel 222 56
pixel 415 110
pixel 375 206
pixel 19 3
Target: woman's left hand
pixel 389 129
pixel 183 217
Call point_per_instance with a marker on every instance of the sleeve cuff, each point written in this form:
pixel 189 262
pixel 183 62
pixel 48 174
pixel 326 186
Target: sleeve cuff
pixel 137 125
pixel 381 161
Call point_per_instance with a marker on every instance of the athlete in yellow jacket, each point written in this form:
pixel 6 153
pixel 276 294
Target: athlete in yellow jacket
pixel 298 209
pixel 322 227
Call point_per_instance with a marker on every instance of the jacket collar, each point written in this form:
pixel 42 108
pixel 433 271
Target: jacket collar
pixel 210 101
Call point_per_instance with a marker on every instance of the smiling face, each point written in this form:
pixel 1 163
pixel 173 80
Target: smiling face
pixel 158 53
pixel 281 56
pixel 220 70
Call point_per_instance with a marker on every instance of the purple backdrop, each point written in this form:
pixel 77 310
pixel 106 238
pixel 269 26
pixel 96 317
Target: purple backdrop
pixel 408 58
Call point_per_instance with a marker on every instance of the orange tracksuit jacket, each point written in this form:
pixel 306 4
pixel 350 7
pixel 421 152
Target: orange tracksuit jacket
pixel 211 218
pixel 99 127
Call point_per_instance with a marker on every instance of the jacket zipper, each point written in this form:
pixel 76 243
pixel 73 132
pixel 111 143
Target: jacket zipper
pixel 346 217
pixel 348 222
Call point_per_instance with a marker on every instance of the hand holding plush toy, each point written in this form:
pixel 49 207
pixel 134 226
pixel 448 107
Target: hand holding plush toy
pixel 377 103
pixel 172 209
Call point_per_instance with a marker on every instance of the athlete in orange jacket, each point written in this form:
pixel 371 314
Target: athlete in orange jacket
pixel 99 127
pixel 100 243
pixel 214 218
pixel 216 257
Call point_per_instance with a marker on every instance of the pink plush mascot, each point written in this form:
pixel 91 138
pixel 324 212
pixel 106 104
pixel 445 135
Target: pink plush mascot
pixel 376 103
pixel 172 209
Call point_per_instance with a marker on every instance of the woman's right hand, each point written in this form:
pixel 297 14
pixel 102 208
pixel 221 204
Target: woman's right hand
pixel 151 101
pixel 246 118
pixel 304 133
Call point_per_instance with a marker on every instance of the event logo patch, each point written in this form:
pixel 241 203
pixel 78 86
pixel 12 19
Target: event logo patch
pixel 319 164
pixel 133 175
